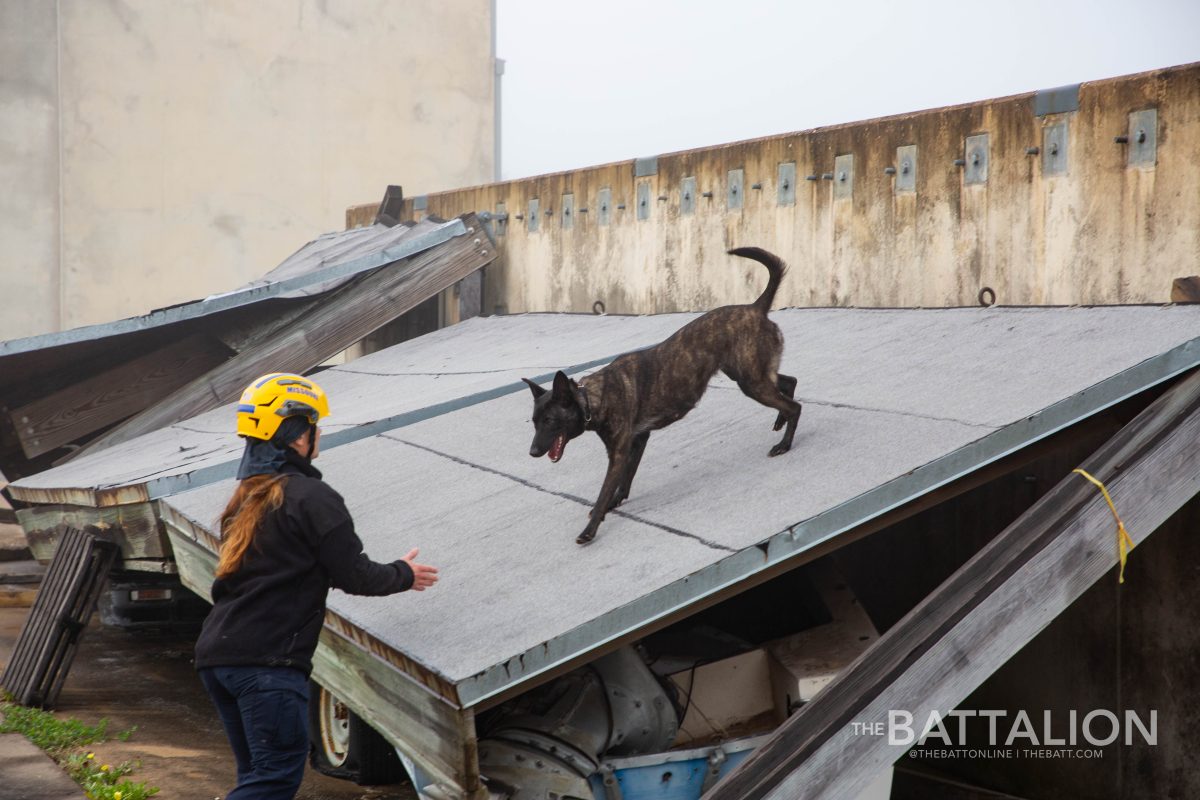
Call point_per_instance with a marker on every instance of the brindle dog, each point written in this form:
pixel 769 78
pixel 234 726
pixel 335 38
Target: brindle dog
pixel 649 389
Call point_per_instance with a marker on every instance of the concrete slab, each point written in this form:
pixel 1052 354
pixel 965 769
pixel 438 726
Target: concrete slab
pixel 28 772
pixel 897 403
pixel 452 367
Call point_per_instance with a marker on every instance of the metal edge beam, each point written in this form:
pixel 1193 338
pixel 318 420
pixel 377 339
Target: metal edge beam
pixel 804 535
pixel 239 297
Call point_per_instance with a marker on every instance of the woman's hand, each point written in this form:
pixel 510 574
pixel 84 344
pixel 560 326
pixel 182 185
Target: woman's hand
pixel 424 575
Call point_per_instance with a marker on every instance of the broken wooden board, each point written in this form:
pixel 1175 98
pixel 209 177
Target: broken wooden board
pixel 101 400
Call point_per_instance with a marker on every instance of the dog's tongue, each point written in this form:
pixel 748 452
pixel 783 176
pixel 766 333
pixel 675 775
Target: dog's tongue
pixel 556 449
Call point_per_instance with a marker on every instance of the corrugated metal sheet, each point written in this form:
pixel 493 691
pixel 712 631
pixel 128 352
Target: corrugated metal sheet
pixel 897 402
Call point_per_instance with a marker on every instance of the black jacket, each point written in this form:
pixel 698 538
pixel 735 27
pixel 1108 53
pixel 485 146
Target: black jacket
pixel 271 610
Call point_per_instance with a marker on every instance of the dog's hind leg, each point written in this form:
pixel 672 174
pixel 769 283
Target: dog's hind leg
pixel 787 387
pixel 767 392
pixel 635 458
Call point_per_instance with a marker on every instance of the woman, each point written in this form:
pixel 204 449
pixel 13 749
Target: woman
pixel 286 538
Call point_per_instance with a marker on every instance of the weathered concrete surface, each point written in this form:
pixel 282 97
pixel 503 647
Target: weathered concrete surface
pixel 1102 233
pixel 147 679
pixel 29 159
pixel 167 151
pixel 28 773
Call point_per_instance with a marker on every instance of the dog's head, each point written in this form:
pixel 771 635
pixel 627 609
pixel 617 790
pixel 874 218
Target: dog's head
pixel 557 417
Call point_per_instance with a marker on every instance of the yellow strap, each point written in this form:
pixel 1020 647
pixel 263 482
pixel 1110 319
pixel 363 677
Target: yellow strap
pixel 1124 540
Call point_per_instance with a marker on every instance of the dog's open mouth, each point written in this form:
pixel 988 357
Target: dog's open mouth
pixel 557 447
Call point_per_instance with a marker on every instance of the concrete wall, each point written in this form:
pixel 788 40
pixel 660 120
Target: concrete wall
pixel 157 152
pixel 1101 232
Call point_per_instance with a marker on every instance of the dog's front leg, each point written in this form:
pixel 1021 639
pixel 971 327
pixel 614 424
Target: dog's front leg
pixel 618 459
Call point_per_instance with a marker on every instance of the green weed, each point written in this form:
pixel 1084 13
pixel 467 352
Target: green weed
pixel 63 739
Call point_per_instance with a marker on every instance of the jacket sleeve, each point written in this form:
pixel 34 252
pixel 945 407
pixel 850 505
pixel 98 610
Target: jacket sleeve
pixel 340 551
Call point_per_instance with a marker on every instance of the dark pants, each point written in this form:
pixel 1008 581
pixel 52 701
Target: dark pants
pixel 265 714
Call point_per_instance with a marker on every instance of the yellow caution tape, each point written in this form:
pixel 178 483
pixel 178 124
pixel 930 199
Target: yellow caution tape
pixel 1125 542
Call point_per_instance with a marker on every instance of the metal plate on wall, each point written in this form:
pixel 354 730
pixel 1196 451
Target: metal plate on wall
pixel 733 192
pixel 604 206
pixel 787 183
pixel 687 195
pixel 643 167
pixel 1143 138
pixel 843 177
pixel 568 211
pixel 1059 100
pixel 531 221
pixel 1054 149
pixel 643 200
pixel 976 155
pixel 501 219
pixel 906 168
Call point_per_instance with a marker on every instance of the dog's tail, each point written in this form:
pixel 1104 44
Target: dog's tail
pixel 774 265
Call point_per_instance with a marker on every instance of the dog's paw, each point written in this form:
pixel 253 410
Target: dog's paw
pixel 780 421
pixel 586 537
pixel 779 449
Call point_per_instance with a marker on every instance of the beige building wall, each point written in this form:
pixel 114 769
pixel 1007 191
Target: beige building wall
pixel 1084 227
pixel 156 152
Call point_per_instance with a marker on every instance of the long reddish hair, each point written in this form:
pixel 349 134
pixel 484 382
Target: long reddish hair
pixel 254 498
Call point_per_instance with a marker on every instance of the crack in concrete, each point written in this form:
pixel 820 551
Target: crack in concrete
pixel 573 498
pixel 873 409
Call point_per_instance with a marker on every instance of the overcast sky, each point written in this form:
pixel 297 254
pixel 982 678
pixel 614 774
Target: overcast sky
pixel 591 82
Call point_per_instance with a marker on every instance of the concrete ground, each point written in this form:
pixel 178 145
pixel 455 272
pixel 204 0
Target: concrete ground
pixel 146 679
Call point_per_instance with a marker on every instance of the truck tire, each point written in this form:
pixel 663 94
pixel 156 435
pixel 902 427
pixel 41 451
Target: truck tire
pixel 343 746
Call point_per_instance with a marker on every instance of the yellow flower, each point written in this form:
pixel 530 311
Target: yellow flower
pixel 104 768
pixel 91 755
pixel 116 796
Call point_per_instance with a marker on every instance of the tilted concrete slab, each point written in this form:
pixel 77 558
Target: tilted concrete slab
pixel 463 364
pixel 897 403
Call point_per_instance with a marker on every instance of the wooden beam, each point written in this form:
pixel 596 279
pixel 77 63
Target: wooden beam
pixel 133 526
pixel 980 616
pixel 347 315
pixel 94 403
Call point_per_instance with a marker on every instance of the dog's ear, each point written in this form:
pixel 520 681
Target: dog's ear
pixel 563 386
pixel 533 387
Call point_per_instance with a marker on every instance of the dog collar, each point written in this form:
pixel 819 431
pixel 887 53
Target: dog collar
pixel 587 406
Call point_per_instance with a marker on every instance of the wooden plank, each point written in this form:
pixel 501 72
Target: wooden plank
pixel 96 402
pixel 70 589
pixel 134 527
pixel 350 313
pixel 1186 290
pixel 439 737
pixel 945 647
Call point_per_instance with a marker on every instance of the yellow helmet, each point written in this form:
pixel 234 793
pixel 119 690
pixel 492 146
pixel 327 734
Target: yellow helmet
pixel 271 399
